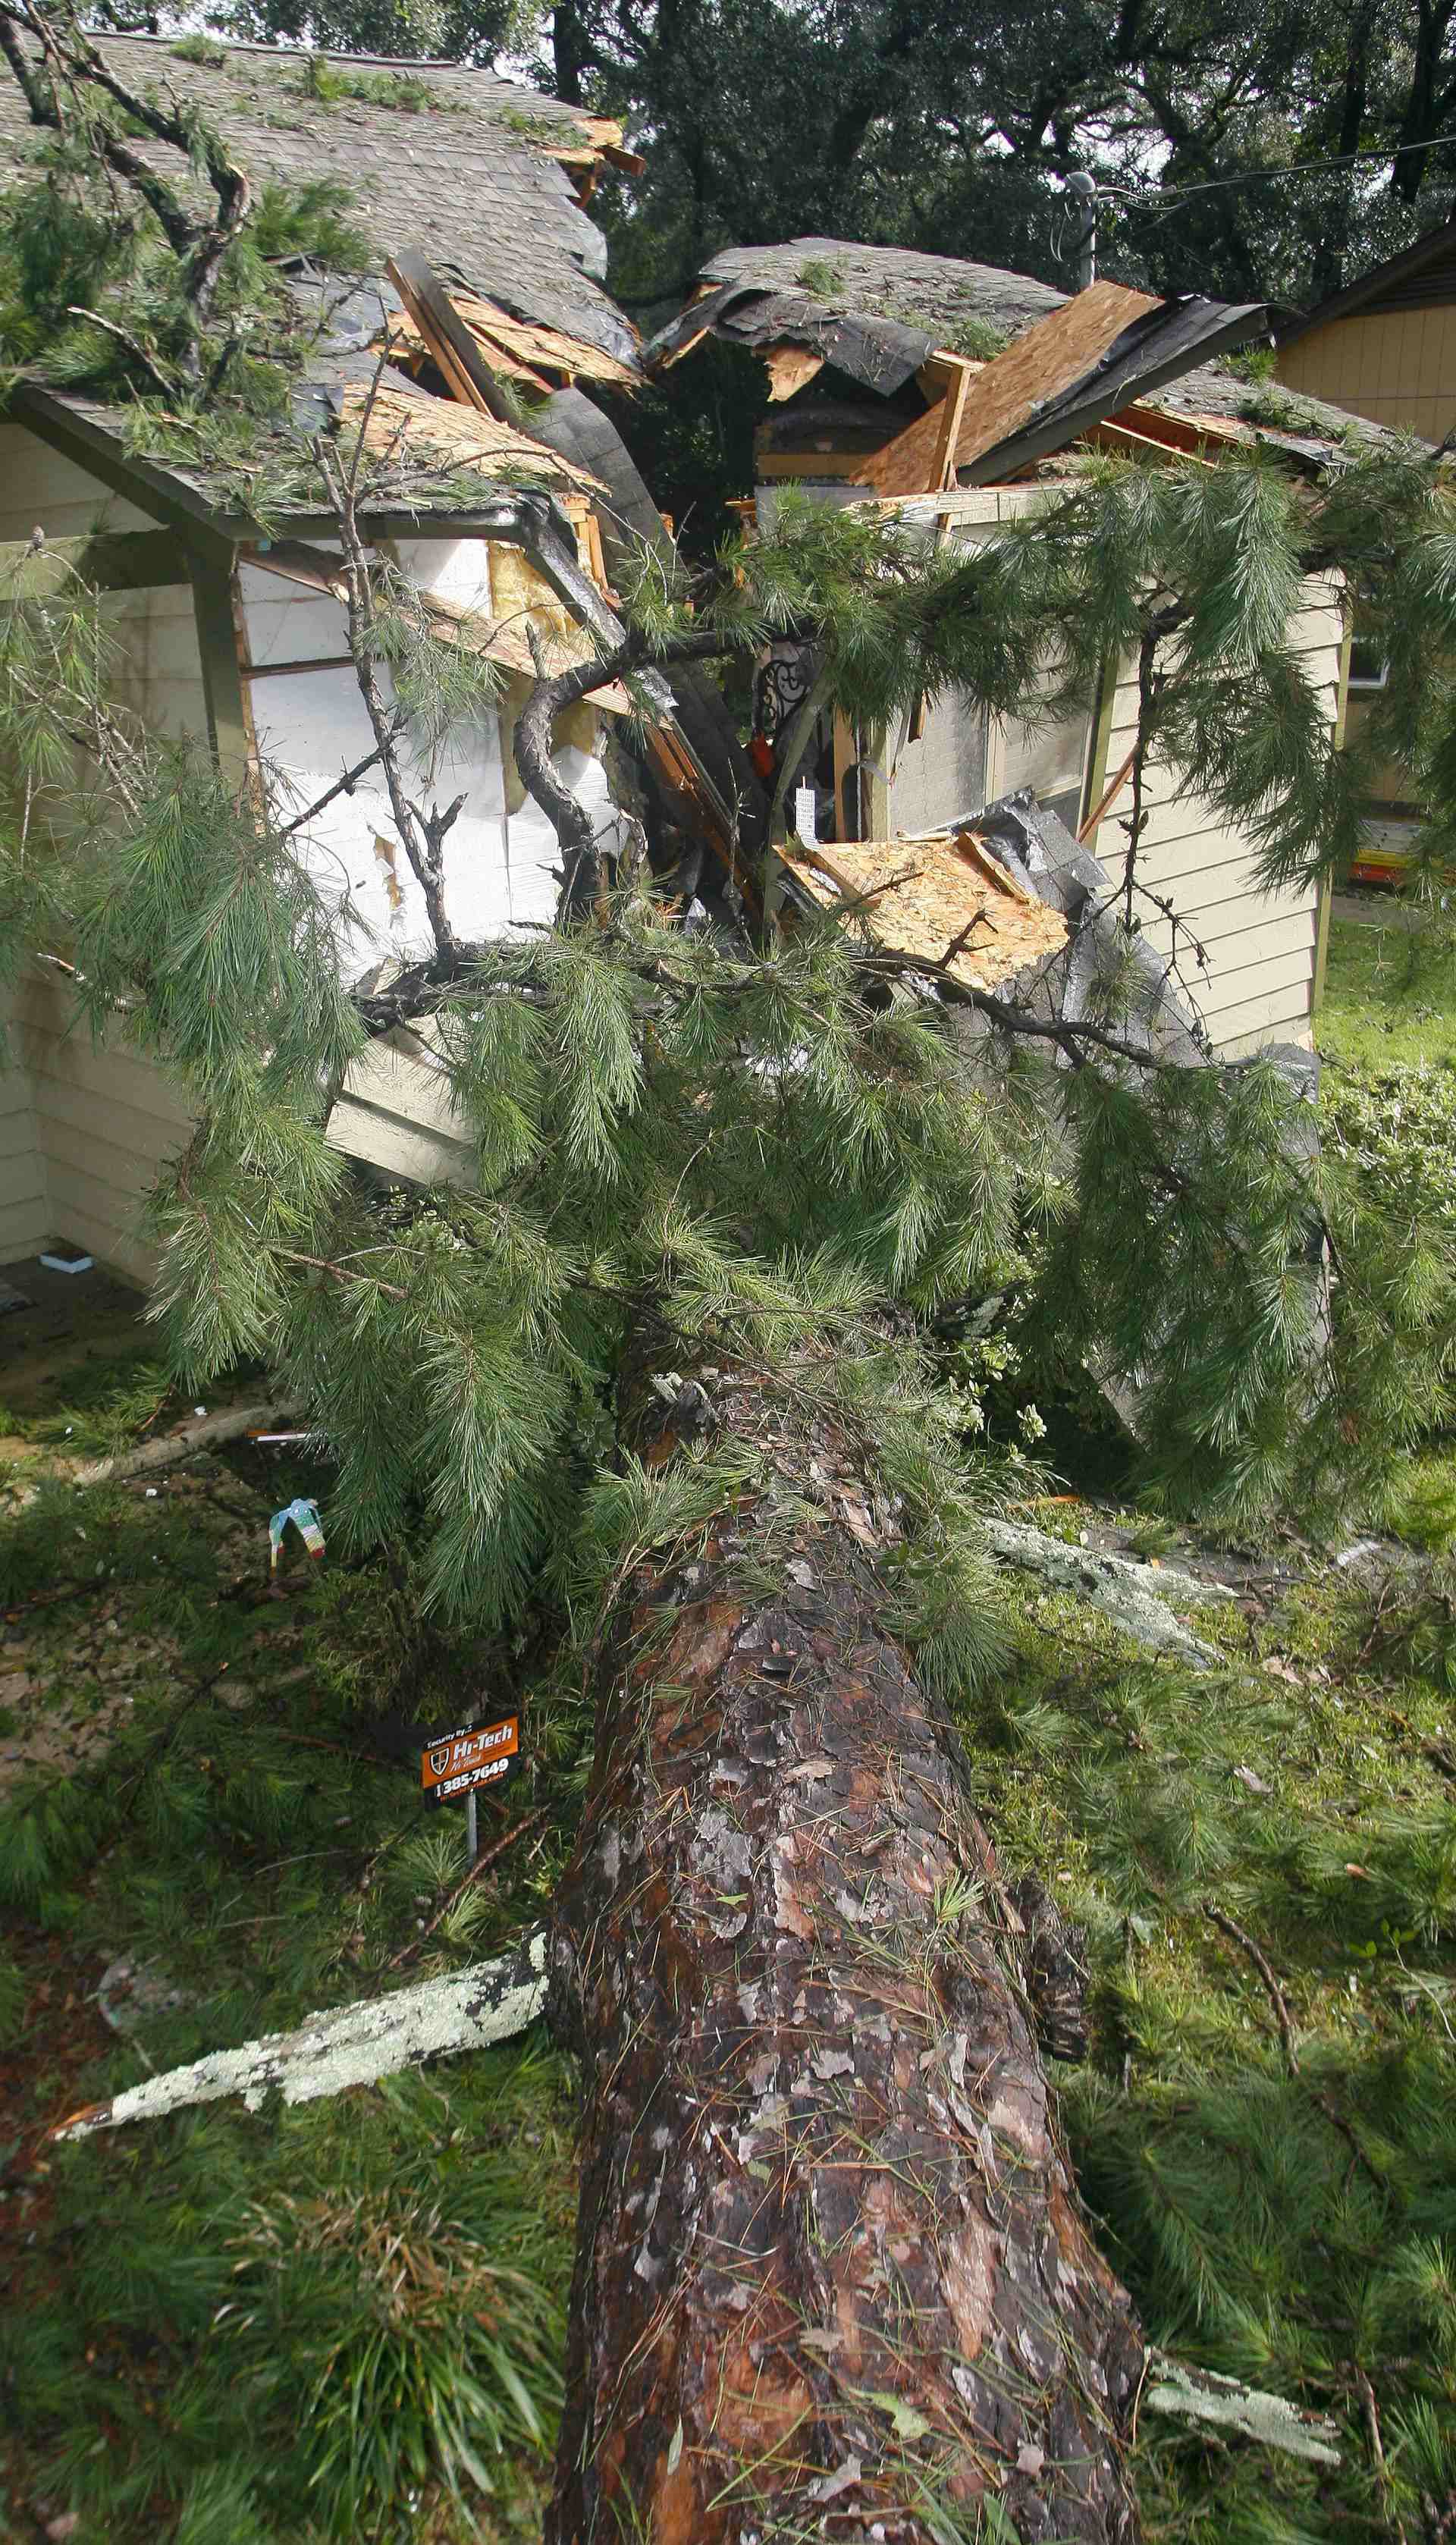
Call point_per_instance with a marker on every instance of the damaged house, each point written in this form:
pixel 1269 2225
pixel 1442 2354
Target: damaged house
pixel 488 285
pixel 949 392
pixel 227 630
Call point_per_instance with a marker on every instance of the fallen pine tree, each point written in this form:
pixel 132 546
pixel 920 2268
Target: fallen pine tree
pixel 831 2271
pixel 828 2248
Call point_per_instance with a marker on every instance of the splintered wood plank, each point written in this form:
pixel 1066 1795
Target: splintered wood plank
pixel 549 348
pixel 1050 359
pixel 918 895
pixel 791 368
pixel 402 428
pixel 407 346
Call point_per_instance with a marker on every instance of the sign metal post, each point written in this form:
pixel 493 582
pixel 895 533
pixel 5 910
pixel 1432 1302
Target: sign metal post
pixel 455 1765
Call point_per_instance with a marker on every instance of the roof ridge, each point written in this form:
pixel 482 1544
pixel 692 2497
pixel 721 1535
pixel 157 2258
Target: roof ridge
pixel 324 54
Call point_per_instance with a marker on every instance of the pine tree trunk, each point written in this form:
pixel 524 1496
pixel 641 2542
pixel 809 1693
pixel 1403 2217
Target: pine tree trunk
pixel 832 2278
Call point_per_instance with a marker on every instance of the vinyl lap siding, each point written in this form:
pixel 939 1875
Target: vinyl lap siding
pixel 106 1120
pixel 25 1212
pixel 1261 945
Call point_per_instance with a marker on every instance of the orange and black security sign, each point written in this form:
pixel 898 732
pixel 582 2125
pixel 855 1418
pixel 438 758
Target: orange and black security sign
pixel 458 1762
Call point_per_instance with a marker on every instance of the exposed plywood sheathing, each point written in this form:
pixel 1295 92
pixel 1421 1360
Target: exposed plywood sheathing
pixel 454 437
pixel 918 895
pixel 511 344
pixel 919 460
pixel 1050 359
pixel 791 368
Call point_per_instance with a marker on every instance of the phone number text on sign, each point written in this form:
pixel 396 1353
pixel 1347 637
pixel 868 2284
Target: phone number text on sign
pixel 457 1762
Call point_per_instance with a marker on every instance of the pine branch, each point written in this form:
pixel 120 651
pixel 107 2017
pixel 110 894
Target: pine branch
pixel 72 63
pixel 123 337
pixel 581 881
pixel 422 836
pixel 344 785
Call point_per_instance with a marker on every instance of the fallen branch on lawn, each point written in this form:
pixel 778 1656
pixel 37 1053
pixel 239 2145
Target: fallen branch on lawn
pixel 1140 1599
pixel 212 1432
pixel 350 2045
pixel 232 1424
pixel 1197 2394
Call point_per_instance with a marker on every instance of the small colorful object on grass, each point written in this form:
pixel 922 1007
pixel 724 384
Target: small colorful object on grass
pixel 305 1516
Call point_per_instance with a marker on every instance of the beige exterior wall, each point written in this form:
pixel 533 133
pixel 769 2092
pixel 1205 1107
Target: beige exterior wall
pixel 1259 984
pixel 159 668
pixel 25 1208
pixel 104 1119
pixel 82 1131
pixel 1399 369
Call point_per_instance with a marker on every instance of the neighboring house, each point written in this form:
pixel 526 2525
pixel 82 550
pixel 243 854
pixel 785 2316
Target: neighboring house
pixel 1384 348
pixel 880 391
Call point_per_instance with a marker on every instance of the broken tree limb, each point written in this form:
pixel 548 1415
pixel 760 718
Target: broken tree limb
pixel 828 2246
pixel 234 1423
pixel 1197 2394
pixel 353 2045
pixel 1140 1599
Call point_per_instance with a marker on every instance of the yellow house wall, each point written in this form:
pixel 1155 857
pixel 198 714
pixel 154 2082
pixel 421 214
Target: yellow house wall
pixel 1398 369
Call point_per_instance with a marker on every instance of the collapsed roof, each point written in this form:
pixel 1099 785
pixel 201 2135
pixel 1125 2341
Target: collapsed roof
pixel 890 320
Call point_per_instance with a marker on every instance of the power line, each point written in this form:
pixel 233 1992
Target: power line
pixel 1258 175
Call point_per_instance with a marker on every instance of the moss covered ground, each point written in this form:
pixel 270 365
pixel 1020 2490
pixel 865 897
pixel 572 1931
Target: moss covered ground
pixel 344 2319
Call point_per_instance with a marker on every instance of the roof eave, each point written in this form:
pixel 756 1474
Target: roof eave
pixel 1107 392
pixel 1368 287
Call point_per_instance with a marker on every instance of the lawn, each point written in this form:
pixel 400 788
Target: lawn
pixel 241 2328
pixel 1388 1001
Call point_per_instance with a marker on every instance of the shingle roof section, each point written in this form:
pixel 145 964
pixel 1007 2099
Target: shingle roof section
pixel 939 294
pixel 467 182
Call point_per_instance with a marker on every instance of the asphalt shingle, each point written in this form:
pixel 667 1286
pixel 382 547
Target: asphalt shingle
pixel 465 182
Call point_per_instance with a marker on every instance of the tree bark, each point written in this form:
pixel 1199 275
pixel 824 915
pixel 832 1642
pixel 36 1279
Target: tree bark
pixel 832 2278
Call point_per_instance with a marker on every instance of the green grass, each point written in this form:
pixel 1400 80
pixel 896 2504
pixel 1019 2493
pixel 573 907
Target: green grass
pixel 288 2326
pixel 345 2319
pixel 1293 2228
pixel 1387 1002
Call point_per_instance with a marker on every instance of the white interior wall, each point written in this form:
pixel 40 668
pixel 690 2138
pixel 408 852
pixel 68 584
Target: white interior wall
pixel 311 725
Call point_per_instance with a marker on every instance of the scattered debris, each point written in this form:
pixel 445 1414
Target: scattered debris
pixel 130 1992
pixel 303 1512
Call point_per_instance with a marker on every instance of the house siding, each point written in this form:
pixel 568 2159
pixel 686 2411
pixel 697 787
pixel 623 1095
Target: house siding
pixel 1398 367
pixel 25 1208
pixel 1257 985
pixel 105 1119
pixel 158 669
